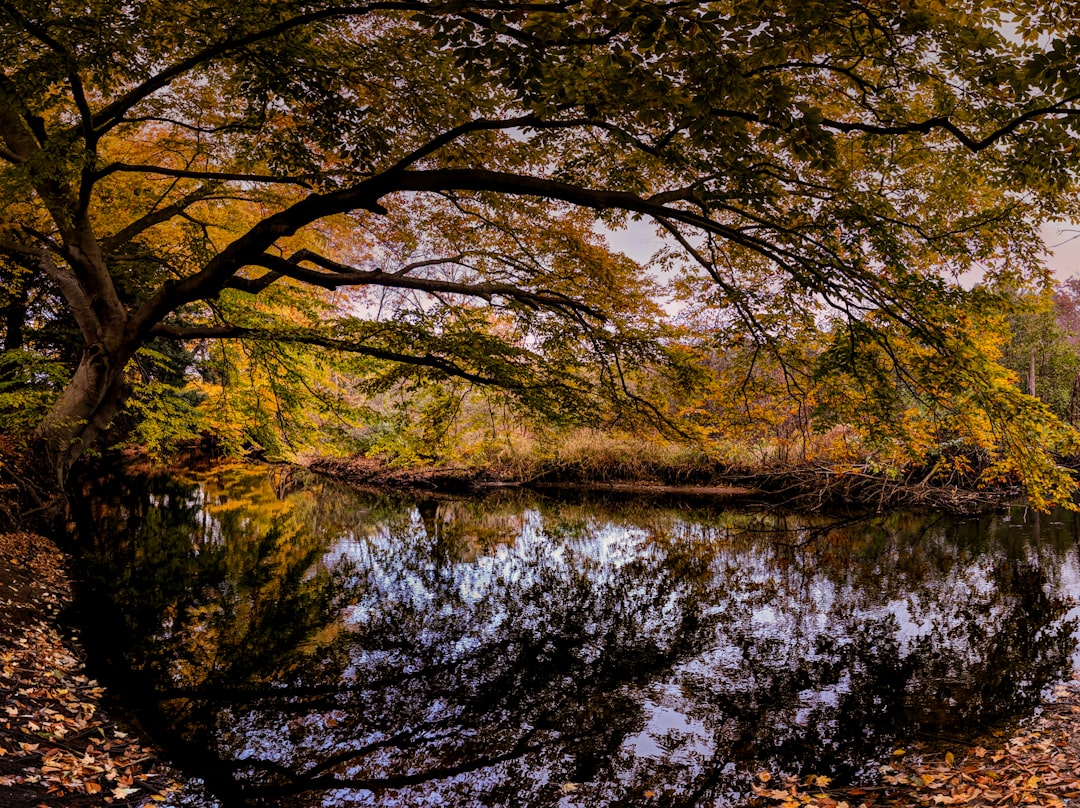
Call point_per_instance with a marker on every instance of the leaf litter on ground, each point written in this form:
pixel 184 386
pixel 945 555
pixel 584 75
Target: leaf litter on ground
pixel 1038 765
pixel 57 745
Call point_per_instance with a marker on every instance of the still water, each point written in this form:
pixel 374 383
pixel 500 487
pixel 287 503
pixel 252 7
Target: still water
pixel 296 643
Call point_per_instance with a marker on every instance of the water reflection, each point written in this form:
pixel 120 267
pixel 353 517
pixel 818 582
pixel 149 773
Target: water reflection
pixel 300 644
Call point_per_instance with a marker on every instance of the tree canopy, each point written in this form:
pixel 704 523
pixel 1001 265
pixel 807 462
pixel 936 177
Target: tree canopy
pixel 425 187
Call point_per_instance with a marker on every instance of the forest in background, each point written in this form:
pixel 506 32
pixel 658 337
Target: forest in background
pixel 299 228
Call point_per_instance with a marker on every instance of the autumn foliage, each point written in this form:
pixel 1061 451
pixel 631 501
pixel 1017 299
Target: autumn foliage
pixel 295 224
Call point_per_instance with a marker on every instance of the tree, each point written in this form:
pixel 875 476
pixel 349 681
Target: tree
pixel 193 174
pixel 1040 350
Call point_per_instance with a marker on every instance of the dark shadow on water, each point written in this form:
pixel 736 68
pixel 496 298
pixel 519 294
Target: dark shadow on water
pixel 298 644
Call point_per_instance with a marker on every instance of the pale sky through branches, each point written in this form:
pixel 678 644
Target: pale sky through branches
pixel 1063 241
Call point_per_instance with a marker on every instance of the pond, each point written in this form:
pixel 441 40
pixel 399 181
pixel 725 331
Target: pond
pixel 297 643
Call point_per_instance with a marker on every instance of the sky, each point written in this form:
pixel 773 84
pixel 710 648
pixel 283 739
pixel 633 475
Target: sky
pixel 1063 241
pixel 639 240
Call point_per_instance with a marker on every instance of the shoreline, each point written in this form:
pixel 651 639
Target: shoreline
pixel 807 488
pixel 63 742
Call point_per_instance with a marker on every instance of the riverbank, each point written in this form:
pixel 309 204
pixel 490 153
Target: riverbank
pixel 797 488
pixel 63 740
pixel 1037 764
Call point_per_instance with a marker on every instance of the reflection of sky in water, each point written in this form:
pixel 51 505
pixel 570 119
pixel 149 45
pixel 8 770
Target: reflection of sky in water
pixel 520 648
pixel 792 627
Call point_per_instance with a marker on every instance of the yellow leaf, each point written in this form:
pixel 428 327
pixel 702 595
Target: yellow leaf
pixel 949 758
pixel 899 752
pixel 822 781
pixel 569 788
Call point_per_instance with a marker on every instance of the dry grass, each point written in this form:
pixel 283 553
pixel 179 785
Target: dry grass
pixel 585 454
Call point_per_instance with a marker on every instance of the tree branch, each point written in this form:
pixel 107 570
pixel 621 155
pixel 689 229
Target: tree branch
pixel 78 302
pixel 342 275
pixel 219 176
pixel 945 123
pixel 238 332
pixel 530 121
pixel 155 217
pixel 250 248
pixel 78 92
pixel 112 113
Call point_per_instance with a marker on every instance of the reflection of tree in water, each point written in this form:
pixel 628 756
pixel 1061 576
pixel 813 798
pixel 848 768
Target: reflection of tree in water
pixel 192 589
pixel 537 659
pixel 370 651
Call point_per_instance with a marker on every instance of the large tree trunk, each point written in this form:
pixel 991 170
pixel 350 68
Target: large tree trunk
pixel 85 408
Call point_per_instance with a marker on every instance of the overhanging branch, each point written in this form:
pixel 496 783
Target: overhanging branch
pixel 429 360
pixel 216 176
pixel 112 113
pixel 334 275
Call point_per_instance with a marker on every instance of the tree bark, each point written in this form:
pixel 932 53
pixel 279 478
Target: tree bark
pixel 85 408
